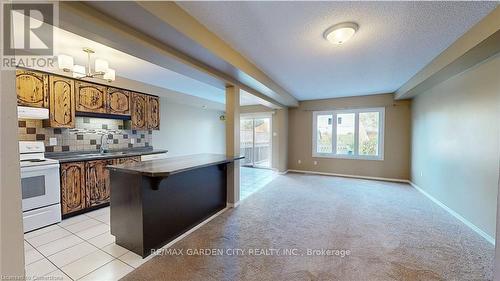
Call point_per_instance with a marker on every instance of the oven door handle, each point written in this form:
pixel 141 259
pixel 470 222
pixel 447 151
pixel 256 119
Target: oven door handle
pixel 39 168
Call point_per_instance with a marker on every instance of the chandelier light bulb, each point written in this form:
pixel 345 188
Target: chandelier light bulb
pixel 101 66
pixel 65 62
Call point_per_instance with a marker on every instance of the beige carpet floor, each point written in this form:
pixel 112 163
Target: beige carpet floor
pixel 391 230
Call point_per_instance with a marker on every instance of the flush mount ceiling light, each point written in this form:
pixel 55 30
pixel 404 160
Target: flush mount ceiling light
pixel 101 67
pixel 340 33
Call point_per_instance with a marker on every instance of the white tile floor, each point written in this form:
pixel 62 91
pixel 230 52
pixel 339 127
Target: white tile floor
pixel 253 179
pixel 82 247
pixel 78 248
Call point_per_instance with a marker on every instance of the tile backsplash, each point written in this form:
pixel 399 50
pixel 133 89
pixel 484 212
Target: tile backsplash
pixel 86 136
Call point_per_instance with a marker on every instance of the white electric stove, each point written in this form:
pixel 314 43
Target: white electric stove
pixel 40 185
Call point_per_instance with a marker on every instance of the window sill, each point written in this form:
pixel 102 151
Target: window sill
pixel 349 157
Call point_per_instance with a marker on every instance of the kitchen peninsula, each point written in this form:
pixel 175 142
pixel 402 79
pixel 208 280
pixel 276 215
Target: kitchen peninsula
pixel 154 202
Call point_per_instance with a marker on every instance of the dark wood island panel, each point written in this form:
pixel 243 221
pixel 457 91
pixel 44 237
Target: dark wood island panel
pixel 154 202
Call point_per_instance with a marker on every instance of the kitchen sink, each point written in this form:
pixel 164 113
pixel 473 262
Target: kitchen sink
pixel 102 154
pixel 89 154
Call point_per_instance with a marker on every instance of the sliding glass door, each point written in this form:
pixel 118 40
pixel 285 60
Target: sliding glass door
pixel 246 141
pixel 255 141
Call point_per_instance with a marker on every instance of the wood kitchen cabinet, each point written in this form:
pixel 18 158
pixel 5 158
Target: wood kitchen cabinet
pixel 72 187
pixel 66 97
pixel 97 182
pixel 61 103
pixel 90 97
pixel 153 112
pixel 118 101
pixel 127 160
pixel 145 113
pixel 32 88
pixel 139 112
pixel 86 184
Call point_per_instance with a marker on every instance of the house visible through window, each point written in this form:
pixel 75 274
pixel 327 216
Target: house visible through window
pixel 357 133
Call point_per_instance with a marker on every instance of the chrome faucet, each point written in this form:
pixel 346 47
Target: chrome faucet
pixel 104 144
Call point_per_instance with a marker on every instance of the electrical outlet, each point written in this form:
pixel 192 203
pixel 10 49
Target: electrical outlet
pixel 315 162
pixel 132 141
pixel 299 161
pixel 52 141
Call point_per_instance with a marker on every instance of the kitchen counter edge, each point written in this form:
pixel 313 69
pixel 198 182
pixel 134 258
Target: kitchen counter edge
pixel 112 155
pixel 170 166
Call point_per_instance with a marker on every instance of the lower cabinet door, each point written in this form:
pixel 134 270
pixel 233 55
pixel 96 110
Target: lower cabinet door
pixel 97 182
pixel 72 187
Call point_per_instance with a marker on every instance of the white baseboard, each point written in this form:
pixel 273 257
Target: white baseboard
pixel 171 243
pixel 348 176
pixel 233 205
pixel 277 171
pixel 455 214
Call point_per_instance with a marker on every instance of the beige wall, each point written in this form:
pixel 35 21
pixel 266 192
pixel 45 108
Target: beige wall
pixel 455 143
pixel 280 133
pixel 187 129
pixel 397 138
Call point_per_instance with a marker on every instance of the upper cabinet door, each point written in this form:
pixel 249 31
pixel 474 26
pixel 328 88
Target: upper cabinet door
pixel 90 97
pixel 118 101
pixel 62 102
pixel 153 113
pixel 32 88
pixel 139 116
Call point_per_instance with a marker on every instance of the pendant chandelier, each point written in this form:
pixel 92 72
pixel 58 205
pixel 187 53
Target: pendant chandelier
pixel 101 67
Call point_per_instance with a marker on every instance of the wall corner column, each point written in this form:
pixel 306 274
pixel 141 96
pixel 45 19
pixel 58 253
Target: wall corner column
pixel 233 144
pixel 11 216
pixel 283 140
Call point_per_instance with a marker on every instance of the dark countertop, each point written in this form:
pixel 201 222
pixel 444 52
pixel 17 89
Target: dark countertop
pixel 174 165
pixel 64 157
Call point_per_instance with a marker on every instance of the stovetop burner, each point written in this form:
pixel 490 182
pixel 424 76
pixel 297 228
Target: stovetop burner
pixel 31 154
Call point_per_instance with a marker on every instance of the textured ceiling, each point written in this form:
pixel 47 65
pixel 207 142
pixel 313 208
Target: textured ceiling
pixel 284 39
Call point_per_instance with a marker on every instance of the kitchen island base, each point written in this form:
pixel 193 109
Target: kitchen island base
pixel 148 212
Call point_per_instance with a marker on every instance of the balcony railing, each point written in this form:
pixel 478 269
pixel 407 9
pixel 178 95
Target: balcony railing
pixel 260 154
pixel 327 148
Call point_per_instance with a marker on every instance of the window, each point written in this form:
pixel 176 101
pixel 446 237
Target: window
pixel 352 134
pixel 345 133
pixel 324 133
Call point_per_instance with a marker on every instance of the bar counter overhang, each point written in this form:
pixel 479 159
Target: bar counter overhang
pixel 154 202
